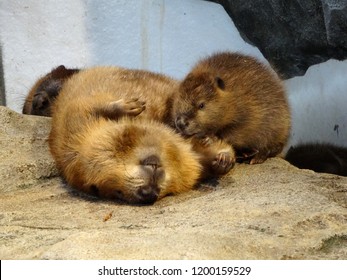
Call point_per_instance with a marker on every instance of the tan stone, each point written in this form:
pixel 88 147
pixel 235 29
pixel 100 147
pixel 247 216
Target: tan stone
pixel 266 211
pixel 24 153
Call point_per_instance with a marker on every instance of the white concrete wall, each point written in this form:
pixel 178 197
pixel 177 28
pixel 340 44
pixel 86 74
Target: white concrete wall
pixel 166 36
pixel 319 104
pixel 158 35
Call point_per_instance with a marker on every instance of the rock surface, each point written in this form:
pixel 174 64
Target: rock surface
pixel 24 153
pixel 267 211
pixel 292 35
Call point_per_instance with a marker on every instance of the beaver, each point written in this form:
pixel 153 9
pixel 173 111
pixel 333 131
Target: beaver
pixel 237 99
pixel 319 157
pixel 127 83
pixel 43 93
pixel 109 138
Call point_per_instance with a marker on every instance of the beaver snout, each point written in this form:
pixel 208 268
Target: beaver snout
pixel 153 168
pixel 148 194
pixel 181 123
pixel 154 173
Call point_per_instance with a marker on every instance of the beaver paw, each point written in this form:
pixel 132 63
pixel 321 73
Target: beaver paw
pixel 207 141
pixel 260 157
pixel 257 160
pixel 223 163
pixel 132 107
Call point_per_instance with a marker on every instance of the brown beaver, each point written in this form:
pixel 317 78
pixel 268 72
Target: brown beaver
pixel 43 93
pixel 106 141
pixel 237 99
pixel 156 89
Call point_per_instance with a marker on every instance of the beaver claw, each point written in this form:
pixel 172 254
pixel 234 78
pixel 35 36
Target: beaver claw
pixel 223 163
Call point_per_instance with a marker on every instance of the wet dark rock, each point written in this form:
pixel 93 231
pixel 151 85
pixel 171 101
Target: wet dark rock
pixel 292 35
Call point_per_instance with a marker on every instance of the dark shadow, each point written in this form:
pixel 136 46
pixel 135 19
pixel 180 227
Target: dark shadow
pixel 2 82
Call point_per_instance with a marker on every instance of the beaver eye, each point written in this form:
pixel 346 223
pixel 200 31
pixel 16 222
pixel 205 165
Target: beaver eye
pixel 201 105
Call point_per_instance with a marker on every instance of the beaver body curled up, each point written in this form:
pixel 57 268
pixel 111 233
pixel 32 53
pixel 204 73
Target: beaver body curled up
pixel 237 99
pixel 108 137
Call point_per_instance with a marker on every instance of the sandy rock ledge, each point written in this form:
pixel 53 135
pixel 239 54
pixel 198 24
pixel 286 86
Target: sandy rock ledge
pixel 267 211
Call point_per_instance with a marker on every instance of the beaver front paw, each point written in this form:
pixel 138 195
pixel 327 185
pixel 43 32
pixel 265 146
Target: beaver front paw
pixel 223 163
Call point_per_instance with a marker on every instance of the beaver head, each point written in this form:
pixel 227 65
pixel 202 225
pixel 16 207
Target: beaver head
pixel 46 89
pixel 200 106
pixel 136 162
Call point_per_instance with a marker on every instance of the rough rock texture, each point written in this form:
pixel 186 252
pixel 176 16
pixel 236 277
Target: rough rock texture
pixel 292 35
pixel 24 154
pixel 267 211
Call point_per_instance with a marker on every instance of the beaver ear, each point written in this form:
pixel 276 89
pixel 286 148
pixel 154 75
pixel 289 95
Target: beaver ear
pixel 220 83
pixel 61 72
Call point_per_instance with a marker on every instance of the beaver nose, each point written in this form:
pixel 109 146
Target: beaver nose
pixel 153 167
pixel 181 123
pixel 40 102
pixel 148 194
